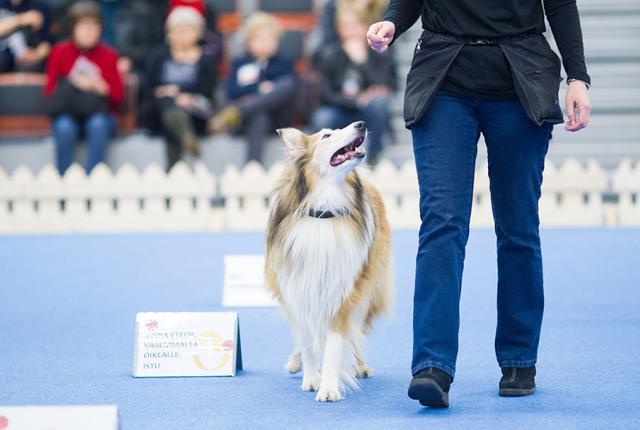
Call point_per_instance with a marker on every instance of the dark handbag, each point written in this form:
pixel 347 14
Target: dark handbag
pixel 67 99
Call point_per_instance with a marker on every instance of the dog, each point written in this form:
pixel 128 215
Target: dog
pixel 328 257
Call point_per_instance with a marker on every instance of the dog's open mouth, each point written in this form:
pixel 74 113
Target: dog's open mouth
pixel 348 152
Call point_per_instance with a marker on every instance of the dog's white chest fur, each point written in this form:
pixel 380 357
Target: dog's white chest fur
pixel 325 257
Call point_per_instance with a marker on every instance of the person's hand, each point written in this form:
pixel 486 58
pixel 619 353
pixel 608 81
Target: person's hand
pixel 83 82
pixel 101 86
pixel 184 100
pixel 380 35
pixel 34 55
pixel 125 65
pixel 29 56
pixel 370 93
pixel 578 106
pixel 265 87
pixel 33 19
pixel 166 91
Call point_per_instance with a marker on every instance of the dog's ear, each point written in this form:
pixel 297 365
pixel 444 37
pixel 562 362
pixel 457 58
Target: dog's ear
pixel 293 139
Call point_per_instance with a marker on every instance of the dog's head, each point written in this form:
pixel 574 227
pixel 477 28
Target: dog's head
pixel 329 152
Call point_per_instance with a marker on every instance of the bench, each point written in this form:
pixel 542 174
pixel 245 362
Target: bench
pixel 23 108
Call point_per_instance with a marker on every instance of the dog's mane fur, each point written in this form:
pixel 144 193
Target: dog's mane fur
pixel 293 188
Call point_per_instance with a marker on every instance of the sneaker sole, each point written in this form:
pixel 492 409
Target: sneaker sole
pixel 429 394
pixel 516 392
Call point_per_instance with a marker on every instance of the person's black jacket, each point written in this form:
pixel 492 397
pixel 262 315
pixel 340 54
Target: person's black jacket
pixel 516 27
pixel 534 66
pixel 276 68
pixel 378 69
pixel 205 83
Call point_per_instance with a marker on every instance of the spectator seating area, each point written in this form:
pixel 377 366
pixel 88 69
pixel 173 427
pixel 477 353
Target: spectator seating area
pixel 612 39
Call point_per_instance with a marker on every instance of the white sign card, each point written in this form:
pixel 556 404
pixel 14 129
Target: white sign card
pixel 244 284
pixel 187 344
pixel 103 417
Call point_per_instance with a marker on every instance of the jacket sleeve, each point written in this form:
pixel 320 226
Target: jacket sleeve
pixel 207 76
pixel 234 90
pixel 283 68
pixel 565 25
pixel 52 70
pixel 153 70
pixel 403 14
pixel 45 30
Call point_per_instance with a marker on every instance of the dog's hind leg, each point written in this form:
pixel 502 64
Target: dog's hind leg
pixel 356 334
pixel 360 368
pixel 294 363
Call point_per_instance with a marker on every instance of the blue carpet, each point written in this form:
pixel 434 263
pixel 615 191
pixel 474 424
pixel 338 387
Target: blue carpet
pixel 67 329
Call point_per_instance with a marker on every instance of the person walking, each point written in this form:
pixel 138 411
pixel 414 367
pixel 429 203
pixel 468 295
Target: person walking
pixel 483 67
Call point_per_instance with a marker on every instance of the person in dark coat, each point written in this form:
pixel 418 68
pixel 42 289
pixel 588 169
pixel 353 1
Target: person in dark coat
pixel 180 81
pixel 483 67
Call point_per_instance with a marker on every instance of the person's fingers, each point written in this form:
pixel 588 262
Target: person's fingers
pixel 374 32
pixel 570 107
pixel 585 113
pixel 378 46
pixel 581 120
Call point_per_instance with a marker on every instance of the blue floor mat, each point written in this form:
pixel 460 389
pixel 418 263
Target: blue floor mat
pixel 68 303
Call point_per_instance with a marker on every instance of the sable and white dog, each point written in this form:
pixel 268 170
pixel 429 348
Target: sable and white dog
pixel 328 257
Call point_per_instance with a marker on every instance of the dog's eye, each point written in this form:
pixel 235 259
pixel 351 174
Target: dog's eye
pixel 326 135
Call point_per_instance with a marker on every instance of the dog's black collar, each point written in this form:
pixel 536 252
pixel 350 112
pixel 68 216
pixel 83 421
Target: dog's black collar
pixel 326 214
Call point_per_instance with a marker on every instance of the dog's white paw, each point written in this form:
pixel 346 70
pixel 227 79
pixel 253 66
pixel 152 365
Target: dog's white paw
pixel 328 393
pixel 294 364
pixel 310 383
pixel 362 371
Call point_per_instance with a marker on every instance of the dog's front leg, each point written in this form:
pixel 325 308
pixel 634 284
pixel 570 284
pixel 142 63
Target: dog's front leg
pixel 310 373
pixel 331 368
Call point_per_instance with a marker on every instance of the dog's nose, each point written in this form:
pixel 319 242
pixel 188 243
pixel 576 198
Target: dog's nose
pixel 360 124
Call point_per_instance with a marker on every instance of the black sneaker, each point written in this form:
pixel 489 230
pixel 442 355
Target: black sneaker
pixel 431 387
pixel 517 381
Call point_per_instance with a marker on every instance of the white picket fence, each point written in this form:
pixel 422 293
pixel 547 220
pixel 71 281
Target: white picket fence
pixel 193 199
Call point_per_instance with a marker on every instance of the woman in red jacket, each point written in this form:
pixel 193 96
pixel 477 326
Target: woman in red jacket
pixel 84 88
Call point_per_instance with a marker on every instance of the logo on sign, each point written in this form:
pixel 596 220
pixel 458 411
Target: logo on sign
pixel 218 352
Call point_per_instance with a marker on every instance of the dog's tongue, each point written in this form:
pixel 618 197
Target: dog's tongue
pixel 341 158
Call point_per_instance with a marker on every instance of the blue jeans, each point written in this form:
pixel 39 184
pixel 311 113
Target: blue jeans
pixel 97 130
pixel 376 114
pixel 445 145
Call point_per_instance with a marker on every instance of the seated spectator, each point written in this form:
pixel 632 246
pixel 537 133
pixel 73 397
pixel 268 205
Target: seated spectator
pixel 122 29
pixel 328 35
pixel 25 40
pixel 355 82
pixel 84 88
pixel 260 86
pixel 181 79
pixel 135 41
